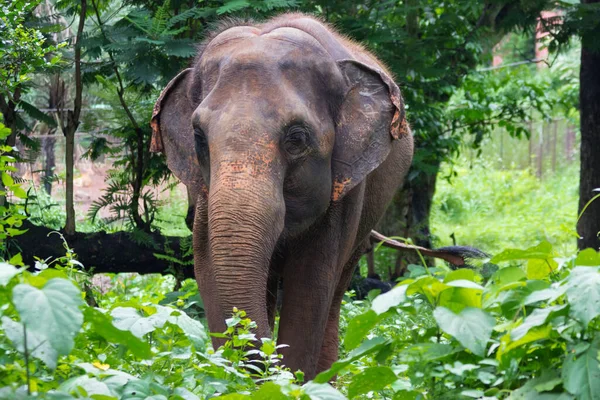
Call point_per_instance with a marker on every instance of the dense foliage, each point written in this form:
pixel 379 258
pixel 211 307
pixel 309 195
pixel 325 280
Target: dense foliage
pixel 522 325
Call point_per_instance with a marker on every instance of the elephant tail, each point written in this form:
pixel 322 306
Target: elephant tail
pixel 459 256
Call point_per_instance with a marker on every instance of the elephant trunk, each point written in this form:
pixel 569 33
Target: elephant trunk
pixel 245 219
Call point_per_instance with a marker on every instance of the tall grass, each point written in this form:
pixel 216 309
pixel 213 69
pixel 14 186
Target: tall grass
pixel 495 209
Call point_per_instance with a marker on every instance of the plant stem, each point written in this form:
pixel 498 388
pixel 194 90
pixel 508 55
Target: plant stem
pixel 26 353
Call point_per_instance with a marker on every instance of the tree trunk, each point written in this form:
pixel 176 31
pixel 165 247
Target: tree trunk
pixel 73 123
pixel 69 161
pixel 49 161
pixel 589 176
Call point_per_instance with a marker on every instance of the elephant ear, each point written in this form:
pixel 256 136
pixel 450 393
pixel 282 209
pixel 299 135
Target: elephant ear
pixel 370 118
pixel 172 131
pixel 173 135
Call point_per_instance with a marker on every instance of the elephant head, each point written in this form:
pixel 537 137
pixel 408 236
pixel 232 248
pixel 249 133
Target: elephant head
pixel 271 125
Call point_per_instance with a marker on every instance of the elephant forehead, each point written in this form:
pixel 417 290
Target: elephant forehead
pixel 282 48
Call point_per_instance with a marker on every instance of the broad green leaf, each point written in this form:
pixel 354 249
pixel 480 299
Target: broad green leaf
pixel 407 395
pixel 549 294
pixel 269 391
pixel 129 319
pixel 581 373
pixel 474 394
pixel 101 324
pixel 193 329
pixel 508 275
pixel 367 347
pixel 542 251
pixel 583 292
pixel 371 379
pixel 136 390
pixel 428 286
pixel 7 272
pixel 540 269
pixel 538 317
pixel 460 274
pixel 185 394
pixel 91 386
pixel 459 368
pixel 532 390
pixel 385 301
pixel 7 180
pixel 359 327
pixel 322 391
pixel 51 313
pixel 458 298
pixel 17 259
pixel 534 334
pixel 37 346
pixel 463 283
pixel 588 257
pixel 472 327
pixel 425 352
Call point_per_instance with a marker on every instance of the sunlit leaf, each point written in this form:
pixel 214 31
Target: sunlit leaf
pixel 472 327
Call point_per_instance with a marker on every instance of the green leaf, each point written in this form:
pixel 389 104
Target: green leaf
pixel 359 327
pixel 538 317
pixel 18 191
pixel 51 313
pixel 269 391
pixel 540 269
pixel 460 274
pixel 534 334
pixel 549 294
pixel 191 328
pixel 36 113
pixel 428 286
pixel 322 391
pixel 583 292
pixel 472 327
pixel 92 386
pixel 38 346
pixel 458 298
pixel 129 319
pixel 7 271
pixel 581 373
pixel 542 251
pixel 588 257
pixel 371 379
pixel 463 283
pixel 425 352
pixel 393 298
pixel 407 395
pixel 367 347
pixel 508 275
pixel 101 324
pixel 233 5
pixel 7 180
pixel 17 259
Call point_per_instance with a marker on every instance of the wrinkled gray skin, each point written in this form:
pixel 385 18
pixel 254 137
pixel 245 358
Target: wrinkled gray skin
pixel 292 141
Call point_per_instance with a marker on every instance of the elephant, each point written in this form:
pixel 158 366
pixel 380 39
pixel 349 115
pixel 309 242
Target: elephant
pixel 291 140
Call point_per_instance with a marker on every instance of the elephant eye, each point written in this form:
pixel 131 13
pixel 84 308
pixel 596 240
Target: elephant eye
pixel 296 141
pixel 201 145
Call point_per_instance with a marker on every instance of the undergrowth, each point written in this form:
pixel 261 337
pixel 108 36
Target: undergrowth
pixel 493 209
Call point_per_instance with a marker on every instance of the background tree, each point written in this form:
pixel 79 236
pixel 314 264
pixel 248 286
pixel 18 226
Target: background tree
pixel 589 181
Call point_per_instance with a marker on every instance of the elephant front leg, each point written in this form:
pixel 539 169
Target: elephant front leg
pixel 307 293
pixel 310 279
pixel 331 340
